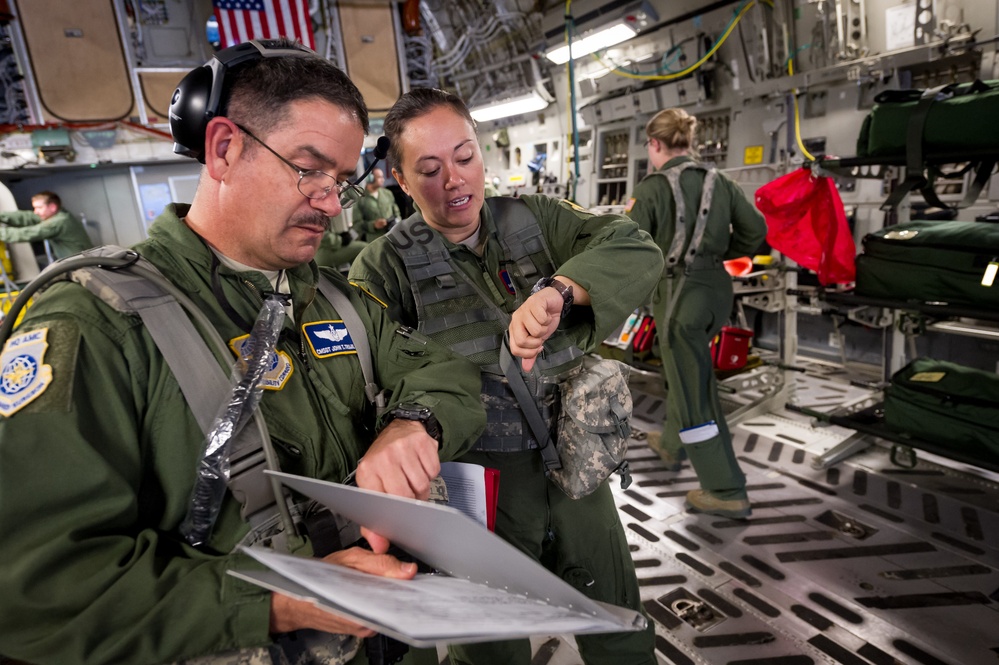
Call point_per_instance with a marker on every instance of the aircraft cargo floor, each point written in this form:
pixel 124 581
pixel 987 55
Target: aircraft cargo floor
pixel 863 562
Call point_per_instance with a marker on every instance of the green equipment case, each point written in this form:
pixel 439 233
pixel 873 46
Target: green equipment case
pixel 950 409
pixel 932 261
pixel 946 120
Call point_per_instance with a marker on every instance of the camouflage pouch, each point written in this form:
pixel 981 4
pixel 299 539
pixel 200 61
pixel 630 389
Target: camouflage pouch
pixel 593 427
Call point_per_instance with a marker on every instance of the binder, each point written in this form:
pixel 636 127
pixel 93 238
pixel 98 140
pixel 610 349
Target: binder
pixel 490 589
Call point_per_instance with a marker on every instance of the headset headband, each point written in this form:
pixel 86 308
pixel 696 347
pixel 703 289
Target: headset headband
pixel 201 93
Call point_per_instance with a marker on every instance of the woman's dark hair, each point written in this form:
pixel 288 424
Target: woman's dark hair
pixel 413 104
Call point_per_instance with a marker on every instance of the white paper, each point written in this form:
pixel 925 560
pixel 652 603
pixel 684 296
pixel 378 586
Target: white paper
pixel 428 607
pixel 466 488
pixel 900 26
pixel 501 590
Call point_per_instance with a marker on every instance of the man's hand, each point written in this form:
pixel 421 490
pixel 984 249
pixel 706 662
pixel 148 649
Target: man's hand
pixel 402 461
pixel 380 223
pixel 288 614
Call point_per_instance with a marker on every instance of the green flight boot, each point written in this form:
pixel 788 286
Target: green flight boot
pixel 654 439
pixel 703 501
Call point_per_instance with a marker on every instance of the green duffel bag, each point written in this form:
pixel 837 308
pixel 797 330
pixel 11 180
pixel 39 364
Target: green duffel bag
pixel 950 409
pixel 950 119
pixel 929 261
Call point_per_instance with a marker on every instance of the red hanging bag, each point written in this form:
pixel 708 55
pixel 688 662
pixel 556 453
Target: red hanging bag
pixel 807 223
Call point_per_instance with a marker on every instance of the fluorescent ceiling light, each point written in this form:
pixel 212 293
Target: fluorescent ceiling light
pixel 597 40
pixel 531 101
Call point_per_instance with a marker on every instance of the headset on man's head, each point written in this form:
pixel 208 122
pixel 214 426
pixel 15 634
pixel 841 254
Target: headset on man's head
pixel 202 94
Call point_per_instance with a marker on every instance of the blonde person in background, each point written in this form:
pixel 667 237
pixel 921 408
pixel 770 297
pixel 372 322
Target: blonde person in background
pixel 693 301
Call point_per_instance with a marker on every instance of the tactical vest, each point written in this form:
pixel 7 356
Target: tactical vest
pixel 678 261
pixel 457 312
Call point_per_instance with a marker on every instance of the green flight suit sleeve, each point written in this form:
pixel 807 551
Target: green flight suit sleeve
pixel 394 206
pixel 415 369
pixel 19 218
pixel 23 226
pixel 749 227
pixel 365 214
pixel 608 255
pixel 93 570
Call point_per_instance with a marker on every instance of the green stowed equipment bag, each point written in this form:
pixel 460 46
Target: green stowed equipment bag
pixel 950 118
pixel 942 125
pixel 952 410
pixel 932 261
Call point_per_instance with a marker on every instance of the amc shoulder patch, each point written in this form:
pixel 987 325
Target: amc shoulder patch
pixel 279 367
pixel 24 376
pixel 329 338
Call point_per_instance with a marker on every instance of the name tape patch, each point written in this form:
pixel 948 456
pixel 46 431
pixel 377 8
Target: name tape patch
pixel 329 338
pixel 24 376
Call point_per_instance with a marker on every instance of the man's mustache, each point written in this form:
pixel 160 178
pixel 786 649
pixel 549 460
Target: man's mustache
pixel 315 219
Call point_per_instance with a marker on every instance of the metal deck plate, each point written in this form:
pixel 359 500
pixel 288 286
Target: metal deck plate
pixel 863 562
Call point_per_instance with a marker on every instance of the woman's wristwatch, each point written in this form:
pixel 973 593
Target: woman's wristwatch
pixel 564 290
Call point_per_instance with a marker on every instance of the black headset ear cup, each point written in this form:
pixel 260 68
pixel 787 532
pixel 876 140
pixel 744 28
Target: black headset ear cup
pixel 189 111
pixel 201 95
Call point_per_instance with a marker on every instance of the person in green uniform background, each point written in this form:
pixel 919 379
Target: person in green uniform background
pixel 100 450
pixel 47 221
pixel 477 264
pixel 692 302
pixel 339 247
pixel 377 211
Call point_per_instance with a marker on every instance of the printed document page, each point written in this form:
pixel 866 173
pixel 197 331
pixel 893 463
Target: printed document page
pixel 487 578
pixel 466 488
pixel 428 608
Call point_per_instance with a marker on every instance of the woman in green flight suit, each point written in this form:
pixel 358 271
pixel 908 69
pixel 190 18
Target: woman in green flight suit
pixel 693 300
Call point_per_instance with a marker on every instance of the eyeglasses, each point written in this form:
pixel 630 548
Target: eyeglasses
pixel 315 184
pixel 646 144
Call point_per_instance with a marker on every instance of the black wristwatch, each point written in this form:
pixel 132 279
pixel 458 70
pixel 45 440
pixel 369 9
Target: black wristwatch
pixel 419 413
pixel 564 290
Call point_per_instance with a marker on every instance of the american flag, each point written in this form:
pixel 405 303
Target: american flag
pixel 243 20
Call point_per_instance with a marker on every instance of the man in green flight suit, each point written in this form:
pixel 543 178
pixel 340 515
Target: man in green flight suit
pixel 99 449
pixel 474 262
pixel 47 221
pixel 377 211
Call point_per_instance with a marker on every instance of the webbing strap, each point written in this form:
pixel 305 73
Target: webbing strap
pixel 914 176
pixel 358 333
pixel 529 408
pixel 690 257
pixel 456 319
pixel 191 362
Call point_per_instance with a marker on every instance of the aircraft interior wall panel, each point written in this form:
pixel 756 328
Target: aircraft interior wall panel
pixel 372 59
pixel 67 42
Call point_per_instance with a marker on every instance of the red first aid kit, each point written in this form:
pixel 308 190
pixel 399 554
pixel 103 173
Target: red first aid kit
pixel 730 347
pixel 645 332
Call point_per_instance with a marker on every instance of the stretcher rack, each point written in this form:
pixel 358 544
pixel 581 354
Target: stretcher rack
pixel 869 421
pixel 980 162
